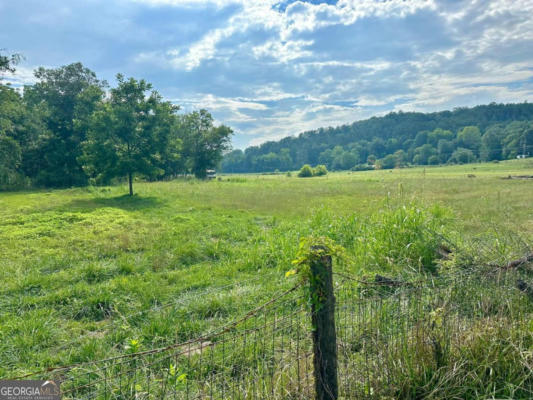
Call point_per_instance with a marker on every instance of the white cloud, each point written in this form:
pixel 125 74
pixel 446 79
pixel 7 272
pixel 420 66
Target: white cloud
pixel 296 18
pixel 491 85
pixel 374 101
pixel 22 76
pixel 300 120
pixel 273 92
pixel 283 51
pixel 204 49
pixel 211 102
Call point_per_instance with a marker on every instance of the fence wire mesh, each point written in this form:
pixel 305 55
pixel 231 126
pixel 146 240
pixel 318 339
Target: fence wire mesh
pixel 265 354
pixel 388 336
pixel 387 333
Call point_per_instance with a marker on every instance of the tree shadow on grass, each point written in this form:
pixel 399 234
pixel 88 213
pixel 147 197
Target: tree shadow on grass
pixel 124 202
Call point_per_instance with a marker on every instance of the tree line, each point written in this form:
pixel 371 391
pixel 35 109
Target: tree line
pixel 464 135
pixel 71 129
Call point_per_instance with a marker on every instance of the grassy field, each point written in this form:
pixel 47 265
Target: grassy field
pixel 89 272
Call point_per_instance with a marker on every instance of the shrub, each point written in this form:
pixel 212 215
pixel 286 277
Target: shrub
pixel 306 171
pixel 320 170
pixel 362 167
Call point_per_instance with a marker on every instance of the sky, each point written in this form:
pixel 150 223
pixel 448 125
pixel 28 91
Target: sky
pixel 270 68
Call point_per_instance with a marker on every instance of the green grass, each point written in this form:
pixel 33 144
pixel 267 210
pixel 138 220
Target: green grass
pixel 85 271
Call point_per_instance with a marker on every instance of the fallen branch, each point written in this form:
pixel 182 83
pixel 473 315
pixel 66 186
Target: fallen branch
pixel 513 264
pixel 519 262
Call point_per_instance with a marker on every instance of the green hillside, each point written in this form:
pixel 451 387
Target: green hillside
pixel 482 133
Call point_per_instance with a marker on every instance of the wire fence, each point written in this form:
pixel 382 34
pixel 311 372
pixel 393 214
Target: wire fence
pixel 387 333
pixel 388 336
pixel 264 354
pixel 183 302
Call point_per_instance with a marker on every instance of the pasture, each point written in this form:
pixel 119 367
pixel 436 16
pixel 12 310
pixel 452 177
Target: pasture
pixel 90 272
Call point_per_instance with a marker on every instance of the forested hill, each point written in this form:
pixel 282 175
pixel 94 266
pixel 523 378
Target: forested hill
pixel 486 132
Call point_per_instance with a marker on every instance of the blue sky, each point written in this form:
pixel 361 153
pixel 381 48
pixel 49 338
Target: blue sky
pixel 270 68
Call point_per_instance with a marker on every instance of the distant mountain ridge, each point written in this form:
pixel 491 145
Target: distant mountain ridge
pixel 493 132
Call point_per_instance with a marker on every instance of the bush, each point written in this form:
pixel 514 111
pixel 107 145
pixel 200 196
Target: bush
pixel 320 170
pixel 362 167
pixel 306 171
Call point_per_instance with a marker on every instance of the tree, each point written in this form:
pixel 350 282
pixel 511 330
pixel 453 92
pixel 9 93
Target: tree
pixel 388 162
pixel 285 159
pixel 470 138
pixel 234 161
pixel 65 97
pixel 12 112
pixel 172 161
pixel 337 158
pixel 10 158
pixel 462 156
pixel 19 130
pixel 445 149
pixel 128 133
pixel 491 148
pixel 433 160
pixel 401 158
pixel 421 138
pixel 7 63
pixel 326 157
pixel 345 160
pixel 423 153
pixel 439 134
pixel 203 143
pixel 268 162
pixel 377 147
pixel 518 139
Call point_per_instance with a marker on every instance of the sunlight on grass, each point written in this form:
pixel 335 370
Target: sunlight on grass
pixel 87 270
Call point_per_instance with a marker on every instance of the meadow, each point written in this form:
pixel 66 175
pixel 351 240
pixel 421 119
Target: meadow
pixel 91 272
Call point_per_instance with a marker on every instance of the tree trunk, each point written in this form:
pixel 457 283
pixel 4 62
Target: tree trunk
pixel 130 180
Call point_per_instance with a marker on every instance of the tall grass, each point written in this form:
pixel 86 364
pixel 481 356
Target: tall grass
pixel 86 271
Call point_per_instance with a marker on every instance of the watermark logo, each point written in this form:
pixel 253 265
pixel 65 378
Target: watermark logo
pixel 29 390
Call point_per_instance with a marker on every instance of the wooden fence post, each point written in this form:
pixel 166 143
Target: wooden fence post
pixel 323 319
